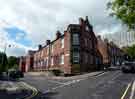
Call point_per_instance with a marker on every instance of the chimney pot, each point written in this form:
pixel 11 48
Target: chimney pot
pixel 99 36
pixel 48 42
pixel 86 17
pixel 39 47
pixel 81 21
pixel 58 34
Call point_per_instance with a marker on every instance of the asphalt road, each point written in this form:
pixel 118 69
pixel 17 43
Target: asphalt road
pixel 109 85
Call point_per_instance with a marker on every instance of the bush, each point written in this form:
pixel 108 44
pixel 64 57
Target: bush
pixel 56 72
pixel 76 68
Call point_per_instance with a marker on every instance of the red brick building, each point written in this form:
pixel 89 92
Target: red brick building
pixel 111 53
pixel 22 64
pixel 26 62
pixel 71 52
pixel 104 49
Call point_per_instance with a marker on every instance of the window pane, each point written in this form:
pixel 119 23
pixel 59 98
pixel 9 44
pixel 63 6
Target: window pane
pixel 75 57
pixel 75 39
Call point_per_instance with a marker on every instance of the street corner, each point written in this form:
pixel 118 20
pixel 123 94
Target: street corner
pixel 8 86
pixel 81 76
pixel 31 91
pixel 12 90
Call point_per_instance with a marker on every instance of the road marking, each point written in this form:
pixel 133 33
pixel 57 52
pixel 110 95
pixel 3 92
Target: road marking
pixel 34 90
pixel 52 81
pixel 133 90
pixel 116 75
pixel 71 82
pixel 123 96
pixel 100 74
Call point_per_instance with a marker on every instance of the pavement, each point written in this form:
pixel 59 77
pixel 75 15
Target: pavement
pixel 51 76
pixel 102 85
pixel 14 90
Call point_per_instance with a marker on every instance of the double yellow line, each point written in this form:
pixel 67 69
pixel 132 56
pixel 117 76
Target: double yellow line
pixel 34 90
pixel 34 93
pixel 125 92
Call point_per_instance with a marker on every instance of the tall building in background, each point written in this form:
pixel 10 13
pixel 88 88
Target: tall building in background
pixel 122 38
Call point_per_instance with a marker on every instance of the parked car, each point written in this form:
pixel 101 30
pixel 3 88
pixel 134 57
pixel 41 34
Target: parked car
pixel 2 75
pixel 19 73
pixel 16 74
pixel 128 67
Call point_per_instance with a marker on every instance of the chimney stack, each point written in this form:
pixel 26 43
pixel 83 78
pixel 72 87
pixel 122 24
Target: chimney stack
pixel 106 40
pixel 58 34
pixel 81 21
pixel 99 36
pixel 86 18
pixel 31 52
pixel 39 47
pixel 48 42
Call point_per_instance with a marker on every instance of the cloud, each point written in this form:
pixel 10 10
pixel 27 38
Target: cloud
pixel 41 18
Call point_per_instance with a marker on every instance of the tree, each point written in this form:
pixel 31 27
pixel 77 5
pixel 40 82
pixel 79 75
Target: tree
pixel 12 62
pixel 3 62
pixel 125 11
pixel 131 51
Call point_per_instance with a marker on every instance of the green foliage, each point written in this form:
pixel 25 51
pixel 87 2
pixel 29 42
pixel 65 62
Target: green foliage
pixel 12 62
pixel 131 51
pixel 76 68
pixel 124 10
pixel 7 63
pixel 56 72
pixel 3 62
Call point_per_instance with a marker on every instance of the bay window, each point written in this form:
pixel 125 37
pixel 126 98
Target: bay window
pixel 76 39
pixel 76 57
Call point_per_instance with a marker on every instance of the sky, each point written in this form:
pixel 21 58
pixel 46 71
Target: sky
pixel 26 23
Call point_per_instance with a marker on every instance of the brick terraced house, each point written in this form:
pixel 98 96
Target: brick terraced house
pixel 72 52
pixel 111 53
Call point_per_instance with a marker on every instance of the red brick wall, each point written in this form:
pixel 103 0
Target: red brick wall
pixel 88 47
pixel 103 48
pixel 54 52
pixel 22 64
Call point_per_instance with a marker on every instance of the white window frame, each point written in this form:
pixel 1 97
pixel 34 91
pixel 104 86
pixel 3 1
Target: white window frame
pixel 62 43
pixel 62 59
pixel 47 63
pixel 52 61
pixel 52 48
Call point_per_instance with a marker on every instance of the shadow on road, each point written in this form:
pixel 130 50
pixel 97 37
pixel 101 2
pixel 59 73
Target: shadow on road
pixel 113 69
pixel 48 95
